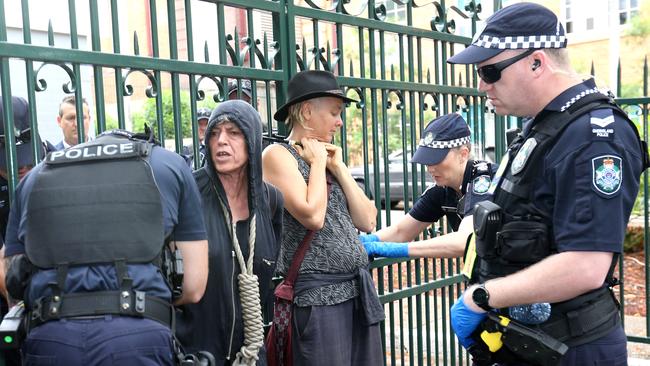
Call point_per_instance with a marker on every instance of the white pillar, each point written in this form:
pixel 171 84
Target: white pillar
pixel 614 44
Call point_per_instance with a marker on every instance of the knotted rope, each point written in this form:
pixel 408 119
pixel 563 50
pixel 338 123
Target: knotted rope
pixel 249 294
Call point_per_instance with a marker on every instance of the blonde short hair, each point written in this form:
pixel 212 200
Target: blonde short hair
pixel 294 116
pixel 560 56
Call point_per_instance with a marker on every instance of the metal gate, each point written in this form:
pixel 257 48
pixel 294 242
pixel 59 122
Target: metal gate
pixel 167 57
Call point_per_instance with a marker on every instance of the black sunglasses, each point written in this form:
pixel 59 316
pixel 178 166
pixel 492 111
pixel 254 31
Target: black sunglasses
pixel 490 74
pixel 22 136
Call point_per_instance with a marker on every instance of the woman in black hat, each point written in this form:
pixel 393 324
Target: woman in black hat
pixel 336 312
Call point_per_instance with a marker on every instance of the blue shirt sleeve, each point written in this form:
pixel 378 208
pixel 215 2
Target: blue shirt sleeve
pixel 180 197
pixel 428 208
pixel 591 180
pixel 16 231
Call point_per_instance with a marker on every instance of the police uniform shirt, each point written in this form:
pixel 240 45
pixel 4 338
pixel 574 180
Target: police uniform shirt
pixel 590 177
pixel 438 201
pixel 4 205
pixel 180 202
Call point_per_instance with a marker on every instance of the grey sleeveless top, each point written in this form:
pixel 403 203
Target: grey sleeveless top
pixel 334 249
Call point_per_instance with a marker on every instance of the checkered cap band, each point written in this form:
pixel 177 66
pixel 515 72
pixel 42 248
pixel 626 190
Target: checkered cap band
pixel 521 42
pixel 579 96
pixel 445 144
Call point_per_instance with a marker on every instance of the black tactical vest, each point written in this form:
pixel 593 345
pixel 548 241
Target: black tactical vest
pixel 525 236
pixel 94 203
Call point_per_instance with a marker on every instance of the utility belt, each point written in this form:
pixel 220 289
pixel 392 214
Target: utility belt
pixel 572 323
pixel 121 303
pixel 583 319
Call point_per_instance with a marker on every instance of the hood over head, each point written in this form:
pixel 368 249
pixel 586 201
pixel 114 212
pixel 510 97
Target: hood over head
pixel 244 116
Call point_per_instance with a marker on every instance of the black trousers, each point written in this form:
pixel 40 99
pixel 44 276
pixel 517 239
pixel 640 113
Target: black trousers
pixel 334 335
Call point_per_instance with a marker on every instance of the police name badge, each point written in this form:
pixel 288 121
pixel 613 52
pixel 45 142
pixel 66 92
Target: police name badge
pixel 497 176
pixel 606 173
pixel 520 160
pixel 481 184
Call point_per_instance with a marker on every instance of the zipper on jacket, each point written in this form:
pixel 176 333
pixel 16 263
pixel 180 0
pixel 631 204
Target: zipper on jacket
pixel 232 295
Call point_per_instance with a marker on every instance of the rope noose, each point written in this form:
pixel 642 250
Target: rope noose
pixel 249 294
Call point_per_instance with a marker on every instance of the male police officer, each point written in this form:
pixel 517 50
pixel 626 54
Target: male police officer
pixel 460 183
pixel 244 91
pixel 93 220
pixel 24 154
pixel 563 193
pixel 25 160
pixel 234 91
pixel 202 116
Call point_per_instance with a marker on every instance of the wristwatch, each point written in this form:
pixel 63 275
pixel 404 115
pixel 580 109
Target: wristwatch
pixel 481 297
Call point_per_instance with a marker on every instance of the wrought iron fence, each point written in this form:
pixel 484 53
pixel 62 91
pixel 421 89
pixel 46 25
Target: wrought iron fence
pixel 389 55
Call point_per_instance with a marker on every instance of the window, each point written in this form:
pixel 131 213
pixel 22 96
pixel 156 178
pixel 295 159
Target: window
pixel 626 10
pixel 590 23
pixel 568 19
pixel 394 11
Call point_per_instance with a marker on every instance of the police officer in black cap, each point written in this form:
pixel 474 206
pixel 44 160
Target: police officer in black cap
pixel 202 116
pixel 561 198
pixel 460 183
pixel 243 90
pixel 24 154
pixel 84 242
pixel 25 160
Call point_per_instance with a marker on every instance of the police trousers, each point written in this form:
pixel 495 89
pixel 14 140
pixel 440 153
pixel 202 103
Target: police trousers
pixel 99 341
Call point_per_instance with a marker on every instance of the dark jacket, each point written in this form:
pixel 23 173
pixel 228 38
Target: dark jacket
pixel 215 324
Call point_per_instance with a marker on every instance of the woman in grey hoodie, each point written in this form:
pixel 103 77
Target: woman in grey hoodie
pixel 243 218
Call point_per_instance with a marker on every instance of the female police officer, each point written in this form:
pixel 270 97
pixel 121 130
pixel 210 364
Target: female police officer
pixel 460 183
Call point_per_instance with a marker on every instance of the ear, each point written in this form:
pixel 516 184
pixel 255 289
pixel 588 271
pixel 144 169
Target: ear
pixel 536 64
pixel 463 153
pixel 540 61
pixel 306 110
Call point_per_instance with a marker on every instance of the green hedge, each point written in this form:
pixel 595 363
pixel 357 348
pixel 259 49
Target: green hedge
pixel 633 239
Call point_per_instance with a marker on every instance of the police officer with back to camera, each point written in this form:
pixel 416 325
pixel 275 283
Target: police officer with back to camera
pixel 561 200
pixel 460 183
pixel 84 242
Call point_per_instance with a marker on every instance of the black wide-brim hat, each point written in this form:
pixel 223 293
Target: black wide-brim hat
pixel 307 85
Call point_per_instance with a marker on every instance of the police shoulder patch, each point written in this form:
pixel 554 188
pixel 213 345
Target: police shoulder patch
pixel 607 174
pixel 520 160
pixel 481 184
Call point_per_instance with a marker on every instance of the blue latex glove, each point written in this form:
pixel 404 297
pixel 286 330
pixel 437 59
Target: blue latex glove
pixel 365 238
pixel 464 321
pixel 386 249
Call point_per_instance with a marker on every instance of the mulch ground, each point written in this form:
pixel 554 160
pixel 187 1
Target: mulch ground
pixel 634 283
